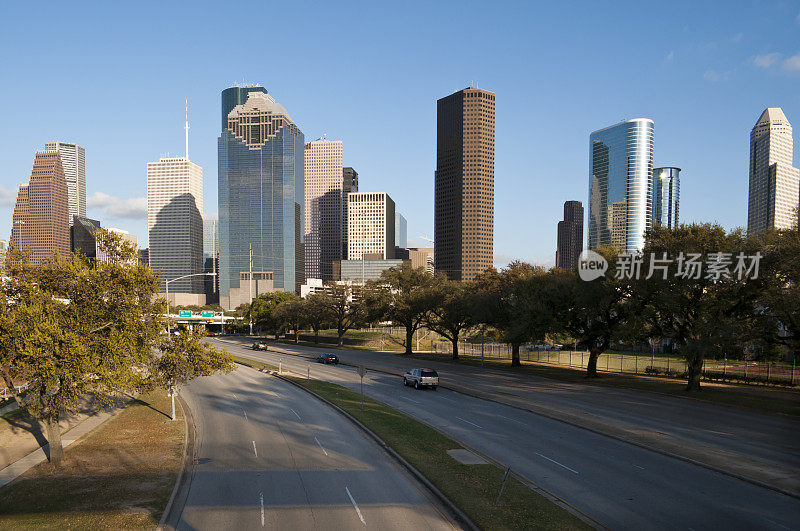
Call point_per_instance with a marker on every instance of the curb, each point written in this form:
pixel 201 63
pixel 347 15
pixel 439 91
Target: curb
pixel 474 394
pixel 455 513
pixel 172 512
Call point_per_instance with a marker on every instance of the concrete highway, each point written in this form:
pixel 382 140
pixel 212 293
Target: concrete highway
pixel 618 484
pixel 271 455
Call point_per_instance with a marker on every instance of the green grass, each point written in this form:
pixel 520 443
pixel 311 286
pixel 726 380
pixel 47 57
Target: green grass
pixel 762 400
pixel 253 364
pixel 120 476
pixel 473 488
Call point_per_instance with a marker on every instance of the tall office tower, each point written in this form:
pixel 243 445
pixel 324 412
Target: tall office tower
pixel 3 248
pixel 620 185
pixel 666 196
pixel 323 207
pixel 464 183
pixel 41 218
pixel 236 95
pixel 73 161
pixel 349 184
pixel 260 196
pixel 400 230
pixel 570 236
pixel 175 223
pixel 370 226
pixel 83 237
pixel 773 195
pixel 211 259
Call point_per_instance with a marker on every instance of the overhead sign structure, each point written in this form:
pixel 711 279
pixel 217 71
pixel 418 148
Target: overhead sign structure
pixel 184 313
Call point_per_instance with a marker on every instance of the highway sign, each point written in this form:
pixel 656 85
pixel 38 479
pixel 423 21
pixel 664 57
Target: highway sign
pixel 184 313
pixel 208 313
pixel 362 370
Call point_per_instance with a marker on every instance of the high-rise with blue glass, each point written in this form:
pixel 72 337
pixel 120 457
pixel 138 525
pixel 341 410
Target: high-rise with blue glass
pixel 620 185
pixel 260 198
pixel 666 196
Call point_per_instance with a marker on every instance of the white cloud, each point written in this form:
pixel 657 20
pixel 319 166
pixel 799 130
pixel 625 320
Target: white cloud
pixel 792 64
pixel 714 76
pixel 7 197
pixel 670 57
pixel 114 207
pixel 766 60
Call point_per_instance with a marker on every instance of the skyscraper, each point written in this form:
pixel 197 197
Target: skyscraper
pixel 370 226
pixel 349 184
pixel 175 222
pixel 400 230
pixel 666 196
pixel 323 207
pixel 261 155
pixel 774 182
pixel 570 236
pixel 236 95
pixel 41 217
pixel 620 185
pixel 211 259
pixel 83 237
pixel 73 161
pixel 464 183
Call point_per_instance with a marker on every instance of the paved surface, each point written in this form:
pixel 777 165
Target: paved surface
pixel 271 455
pixel 620 485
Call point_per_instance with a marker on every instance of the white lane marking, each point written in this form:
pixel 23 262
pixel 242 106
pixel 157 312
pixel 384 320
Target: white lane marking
pixel 468 422
pixel 559 464
pixel 236 397
pixel 320 446
pixel 637 466
pixel 261 496
pixel 254 449
pixel 356 506
pixel 512 420
pixel 245 414
pixel 777 524
pixel 410 400
pixel 445 398
pixel 296 415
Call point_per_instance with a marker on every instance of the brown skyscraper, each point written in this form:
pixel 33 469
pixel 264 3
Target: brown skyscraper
pixel 570 236
pixel 40 220
pixel 464 195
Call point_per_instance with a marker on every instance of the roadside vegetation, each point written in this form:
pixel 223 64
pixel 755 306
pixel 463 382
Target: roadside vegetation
pixel 119 476
pixel 472 488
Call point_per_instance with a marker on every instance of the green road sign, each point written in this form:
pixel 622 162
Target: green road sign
pixel 208 313
pixel 184 313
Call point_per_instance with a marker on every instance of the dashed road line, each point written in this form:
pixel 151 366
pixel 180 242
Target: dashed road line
pixel 261 497
pixel 409 399
pixel 556 462
pixel 254 449
pixel 355 505
pixel 468 422
pixel 296 415
pixel 245 414
pixel 512 420
pixel 320 446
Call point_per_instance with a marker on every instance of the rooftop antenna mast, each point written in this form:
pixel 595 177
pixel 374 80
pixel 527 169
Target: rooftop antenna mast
pixel 186 127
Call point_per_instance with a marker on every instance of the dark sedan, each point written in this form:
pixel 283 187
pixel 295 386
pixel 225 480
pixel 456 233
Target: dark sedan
pixel 260 345
pixel 328 358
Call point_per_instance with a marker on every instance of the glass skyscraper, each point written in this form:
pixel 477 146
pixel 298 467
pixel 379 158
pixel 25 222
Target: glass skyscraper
pixel 666 196
pixel 620 185
pixel 233 96
pixel 260 195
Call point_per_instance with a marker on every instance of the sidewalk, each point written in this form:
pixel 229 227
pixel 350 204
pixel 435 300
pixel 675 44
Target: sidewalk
pixel 20 466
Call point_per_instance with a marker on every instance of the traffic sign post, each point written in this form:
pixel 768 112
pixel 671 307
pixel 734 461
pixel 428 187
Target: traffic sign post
pixel 361 372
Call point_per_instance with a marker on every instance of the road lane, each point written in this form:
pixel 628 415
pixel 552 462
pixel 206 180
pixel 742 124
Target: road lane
pixel 267 470
pixel 620 485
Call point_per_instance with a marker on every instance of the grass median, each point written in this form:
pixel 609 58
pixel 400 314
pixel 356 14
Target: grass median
pixel 254 364
pixel 119 476
pixel 473 488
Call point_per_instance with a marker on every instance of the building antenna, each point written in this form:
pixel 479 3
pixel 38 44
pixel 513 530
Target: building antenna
pixel 187 128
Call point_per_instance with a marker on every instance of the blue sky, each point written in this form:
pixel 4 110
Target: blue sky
pixel 113 77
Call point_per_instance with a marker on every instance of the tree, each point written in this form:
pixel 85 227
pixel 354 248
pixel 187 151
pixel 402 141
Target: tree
pixel 318 315
pixel 342 305
pixel 76 331
pixel 262 308
pixel 292 313
pixel 407 297
pixel 452 310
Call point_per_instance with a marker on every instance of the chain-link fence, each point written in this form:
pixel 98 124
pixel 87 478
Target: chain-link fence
pixel 772 373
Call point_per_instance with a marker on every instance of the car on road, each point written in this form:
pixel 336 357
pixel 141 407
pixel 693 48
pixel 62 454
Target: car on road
pixel 328 358
pixel 260 345
pixel 419 378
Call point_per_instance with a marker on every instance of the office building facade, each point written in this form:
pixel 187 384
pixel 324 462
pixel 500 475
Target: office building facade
pixel 211 260
pixel 620 185
pixel 175 223
pixel 400 230
pixel 464 183
pixel 666 196
pixel 349 184
pixel 370 226
pixel 73 162
pixel 774 182
pixel 126 237
pixel 40 221
pixel 323 207
pixel 236 95
pixel 83 237
pixel 361 271
pixel 261 195
pixel 570 236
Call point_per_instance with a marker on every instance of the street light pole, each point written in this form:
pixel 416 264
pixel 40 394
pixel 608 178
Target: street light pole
pixel 166 282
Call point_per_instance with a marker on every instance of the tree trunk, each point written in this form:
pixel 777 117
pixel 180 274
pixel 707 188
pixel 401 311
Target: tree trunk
pixel 54 440
pixel 515 355
pixel 695 369
pixel 341 337
pixel 591 367
pixel 455 347
pixel 316 336
pixel 409 339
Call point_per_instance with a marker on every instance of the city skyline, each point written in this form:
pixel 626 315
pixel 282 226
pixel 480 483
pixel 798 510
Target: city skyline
pixel 727 72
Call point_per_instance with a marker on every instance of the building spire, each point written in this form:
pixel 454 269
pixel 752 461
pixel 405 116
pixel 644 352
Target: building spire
pixel 186 127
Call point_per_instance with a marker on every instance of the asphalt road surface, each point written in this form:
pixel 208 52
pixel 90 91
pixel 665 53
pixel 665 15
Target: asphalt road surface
pixel 272 456
pixel 620 485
